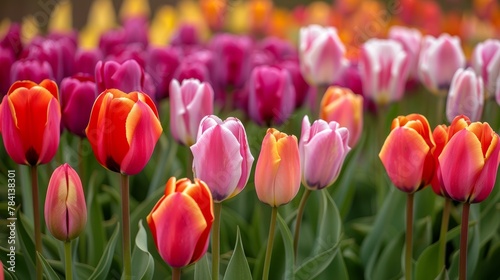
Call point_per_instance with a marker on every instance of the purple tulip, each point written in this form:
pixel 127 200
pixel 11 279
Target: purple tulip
pixel 465 96
pixel 189 104
pixel 29 69
pixel 49 51
pixel 77 97
pixel 323 148
pixel 222 157
pixel 486 62
pixel 161 64
pixel 232 54
pixel 86 60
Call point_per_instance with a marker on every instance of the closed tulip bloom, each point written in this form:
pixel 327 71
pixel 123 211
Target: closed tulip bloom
pixel 123 130
pixel 6 60
pixel 86 60
pixel 161 64
pixel 466 95
pixel 468 164
pixel 232 54
pixel 346 108
pixel 271 95
pixel 181 221
pixel 323 148
pixel 65 209
pixel 32 70
pixel 30 122
pixel 78 94
pixel 439 60
pixel 486 62
pixel 47 50
pixel 277 173
pixel 384 68
pixel 407 153
pixel 189 104
pixel 222 157
pixel 322 54
pixel 410 39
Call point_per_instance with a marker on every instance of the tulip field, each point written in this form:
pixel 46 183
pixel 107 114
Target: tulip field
pixel 245 140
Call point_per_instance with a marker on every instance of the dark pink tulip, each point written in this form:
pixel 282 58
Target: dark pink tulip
pixel 186 35
pixel 302 88
pixel 112 41
pixel 6 60
pixel 222 157
pixel 68 43
pixel 78 94
pixel 86 60
pixel 161 64
pixel 136 30
pixel 12 39
pixel 271 96
pixel 48 51
pixel 29 69
pixel 232 56
pixel 279 48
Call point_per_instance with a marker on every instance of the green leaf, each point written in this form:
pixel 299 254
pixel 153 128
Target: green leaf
pixel 143 209
pixel 288 244
pixel 102 269
pixel 388 264
pixel 95 235
pixel 47 269
pixel 27 244
pixel 426 266
pixel 202 269
pixel 143 267
pixel 443 275
pixel 238 266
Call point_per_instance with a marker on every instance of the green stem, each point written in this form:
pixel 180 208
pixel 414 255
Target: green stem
pixel 125 226
pixel 320 92
pixel 215 240
pixel 444 230
pixel 409 235
pixel 36 216
pixel 189 164
pixel 270 240
pixel 176 273
pixel 68 262
pixel 441 105
pixel 80 159
pixel 298 222
pixel 463 242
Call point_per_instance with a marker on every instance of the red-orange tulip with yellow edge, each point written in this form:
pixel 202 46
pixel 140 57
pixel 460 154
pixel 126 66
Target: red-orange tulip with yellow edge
pixel 277 174
pixel 181 221
pixel 30 118
pixel 123 130
pixel 407 153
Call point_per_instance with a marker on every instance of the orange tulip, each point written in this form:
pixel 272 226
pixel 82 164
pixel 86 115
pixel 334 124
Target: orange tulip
pixel 30 122
pixel 277 174
pixel 181 221
pixel 407 153
pixel 123 130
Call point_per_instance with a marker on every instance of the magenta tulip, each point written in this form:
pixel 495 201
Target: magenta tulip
pixel 232 54
pixel 28 69
pixel 161 64
pixel 86 60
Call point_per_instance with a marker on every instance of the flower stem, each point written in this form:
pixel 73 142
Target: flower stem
pixel 270 240
pixel 176 273
pixel 298 222
pixel 36 216
pixel 463 242
pixel 80 159
pixel 215 241
pixel 125 226
pixel 444 230
pixel 189 164
pixel 67 258
pixel 409 235
pixel 441 105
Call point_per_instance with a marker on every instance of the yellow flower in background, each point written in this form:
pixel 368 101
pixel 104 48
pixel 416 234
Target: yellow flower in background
pixel 61 19
pixel 101 18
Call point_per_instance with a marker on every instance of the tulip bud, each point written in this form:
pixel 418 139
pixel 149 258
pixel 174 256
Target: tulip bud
pixel 32 70
pixel 30 120
pixel 323 148
pixel 181 221
pixel 465 96
pixel 189 104
pixel 65 209
pixel 277 173
pixel 486 62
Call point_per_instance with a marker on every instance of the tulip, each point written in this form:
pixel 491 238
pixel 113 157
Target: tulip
pixel 161 64
pixel 222 156
pixel 486 62
pixel 186 35
pixel 192 70
pixel 189 104
pixel 33 70
pixel 30 121
pixel 439 60
pixel 384 68
pixel 277 173
pixel 6 60
pixel 407 153
pixel 50 51
pixel 12 39
pixel 86 60
pixel 322 54
pixel 343 106
pixel 302 89
pixel 123 130
pixel 78 94
pixel 465 96
pixel 279 48
pixel 271 96
pixel 65 209
pixel 213 11
pixel 181 220
pixel 323 148
pixel 410 39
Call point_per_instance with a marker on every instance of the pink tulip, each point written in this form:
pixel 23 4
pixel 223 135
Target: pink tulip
pixel 222 157
pixel 6 60
pixel 161 64
pixel 323 148
pixel 410 39
pixel 439 60
pixel 86 60
pixel 189 104
pixel 65 209
pixel 322 54
pixel 384 68
pixel 28 69
pixel 486 62
pixel 465 96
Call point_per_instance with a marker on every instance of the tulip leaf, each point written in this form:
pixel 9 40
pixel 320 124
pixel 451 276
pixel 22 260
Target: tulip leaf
pixel 238 265
pixel 388 265
pixel 288 244
pixel 142 210
pixel 426 266
pixel 47 269
pixel 94 231
pixel 143 267
pixel 327 242
pixel 202 269
pixel 21 270
pixel 27 244
pixel 102 269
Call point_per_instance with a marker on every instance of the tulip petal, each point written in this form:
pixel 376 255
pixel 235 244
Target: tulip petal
pixel 11 135
pixel 287 182
pixel 75 204
pixel 265 171
pixel 177 112
pixel 52 133
pixel 55 205
pixel 486 181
